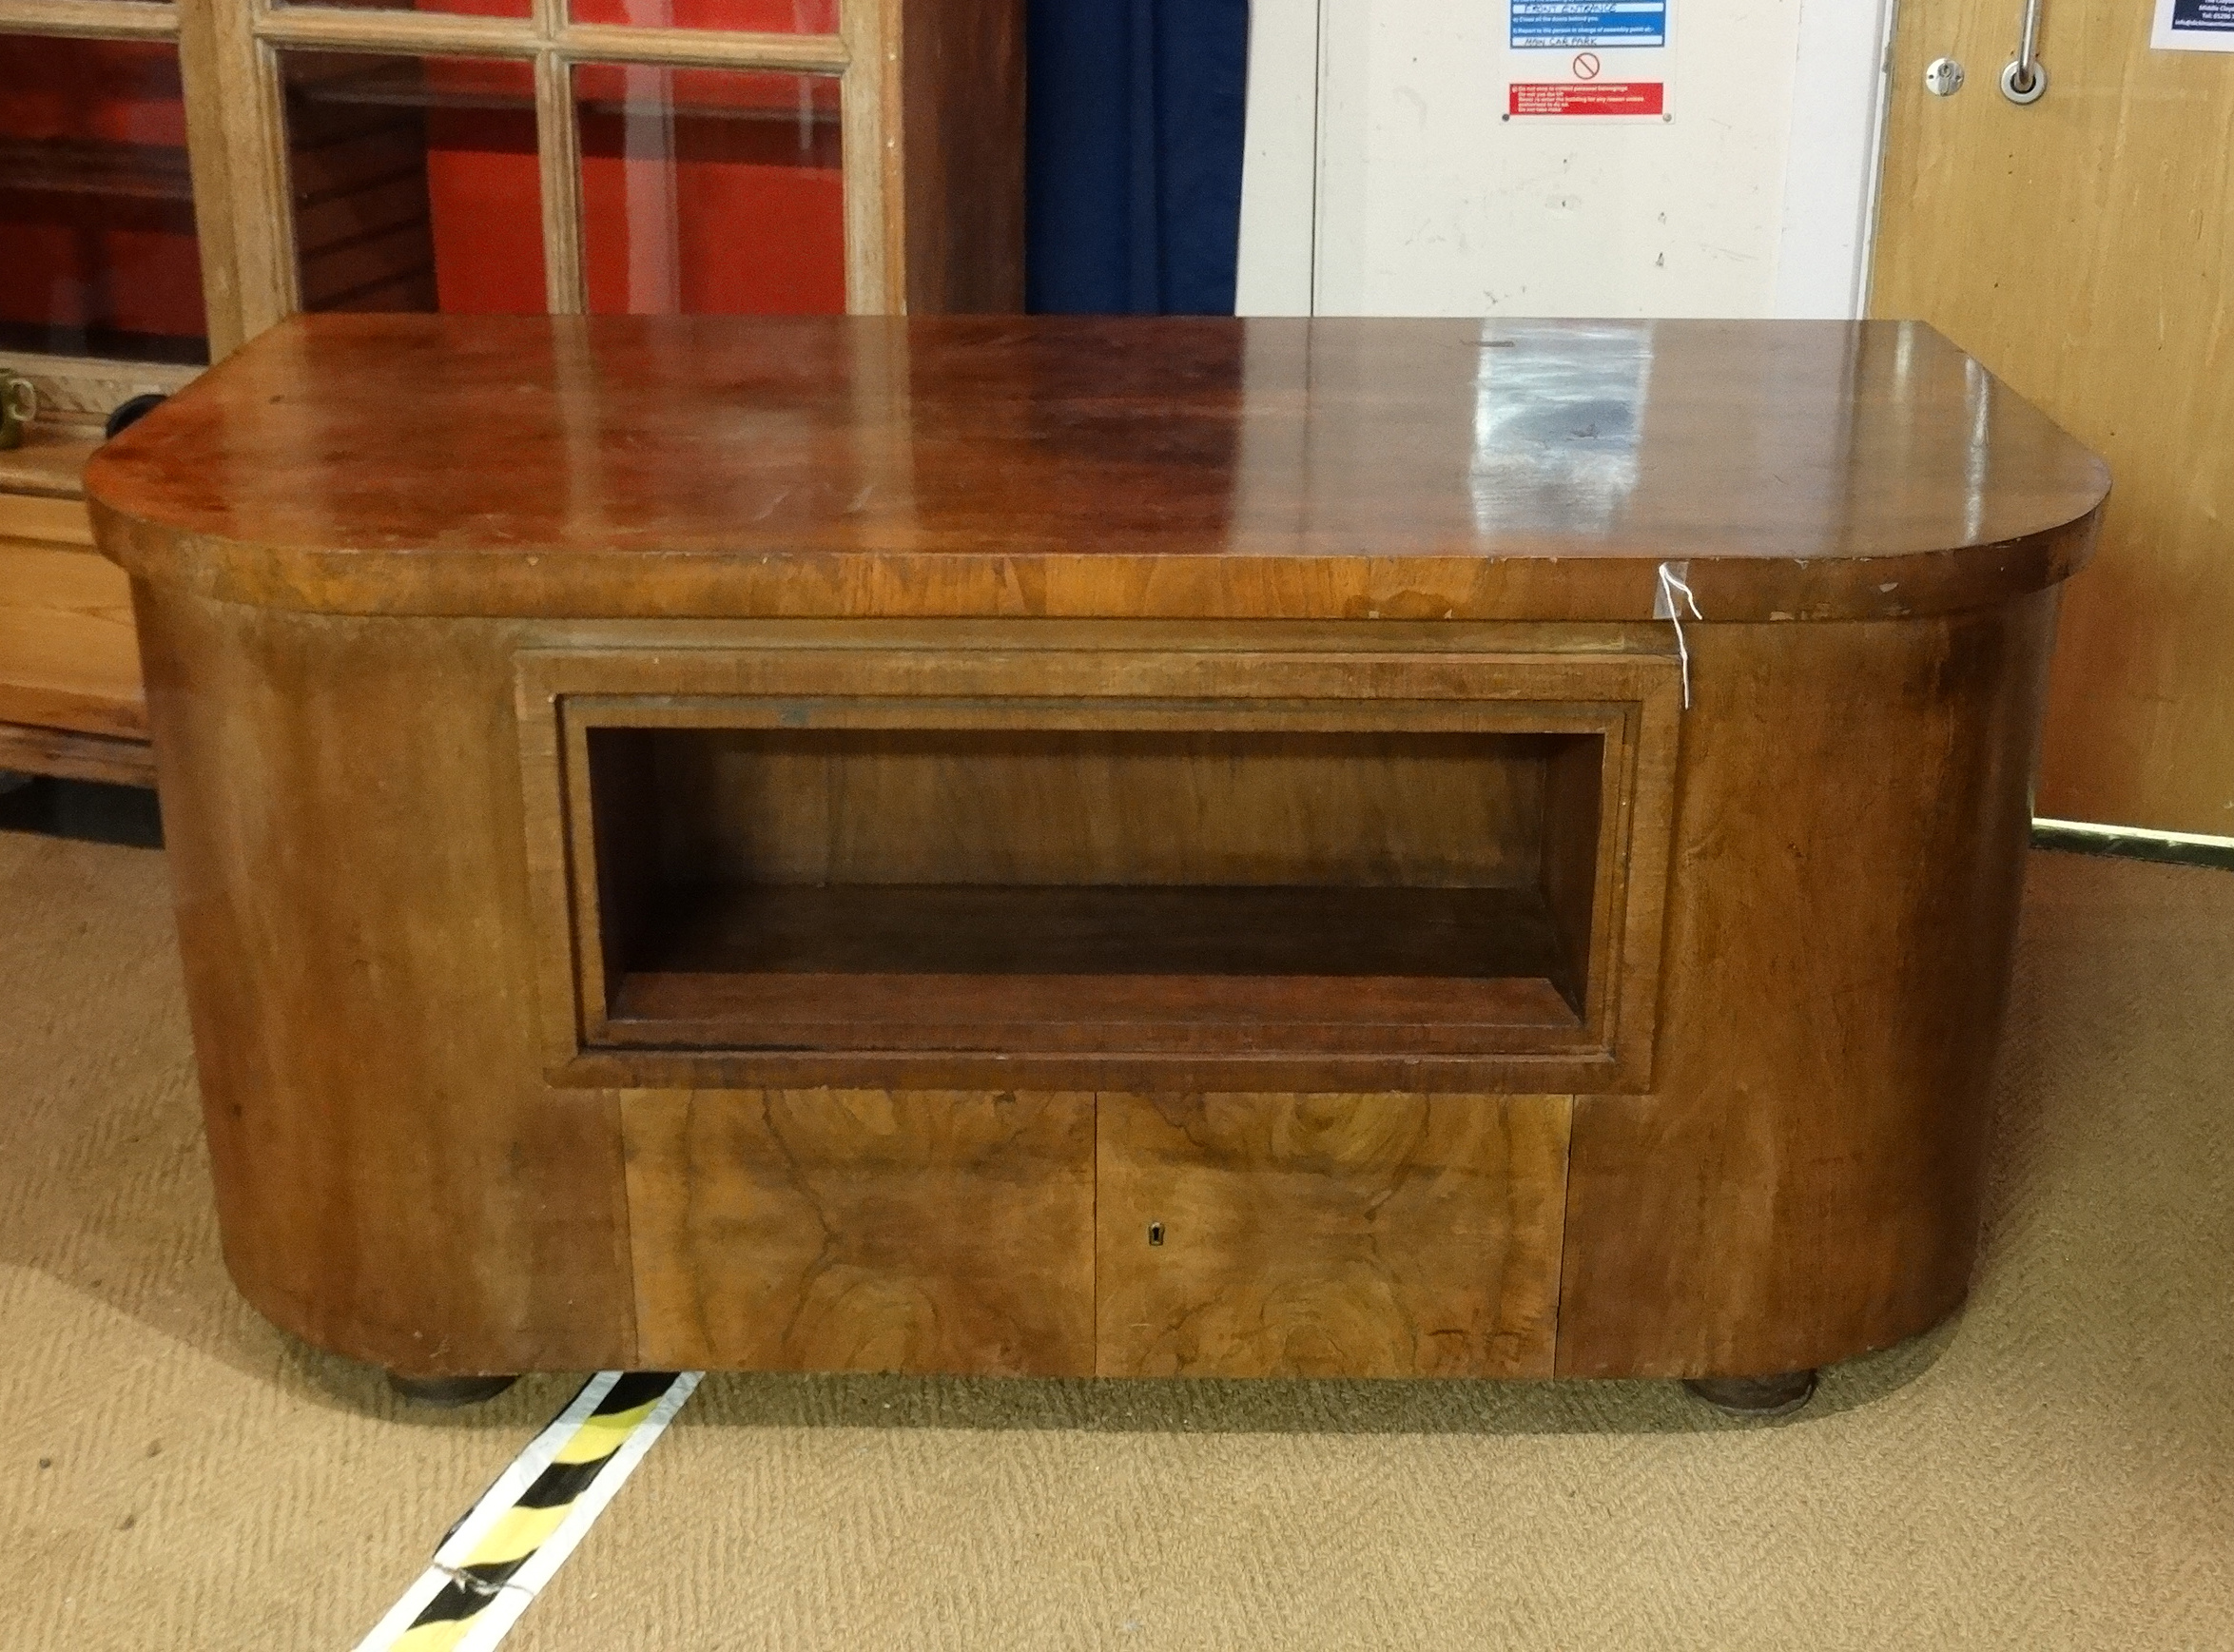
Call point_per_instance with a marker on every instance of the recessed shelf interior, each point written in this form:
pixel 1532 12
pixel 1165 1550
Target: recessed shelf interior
pixel 1138 890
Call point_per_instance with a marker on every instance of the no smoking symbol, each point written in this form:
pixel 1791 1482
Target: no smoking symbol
pixel 1586 66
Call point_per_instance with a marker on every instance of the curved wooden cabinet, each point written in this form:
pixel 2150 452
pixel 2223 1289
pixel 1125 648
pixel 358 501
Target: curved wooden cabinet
pixel 1150 847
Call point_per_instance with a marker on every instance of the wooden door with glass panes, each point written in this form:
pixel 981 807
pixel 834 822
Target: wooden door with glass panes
pixel 176 177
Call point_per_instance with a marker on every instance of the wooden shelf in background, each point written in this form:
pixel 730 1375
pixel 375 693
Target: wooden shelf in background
pixel 77 167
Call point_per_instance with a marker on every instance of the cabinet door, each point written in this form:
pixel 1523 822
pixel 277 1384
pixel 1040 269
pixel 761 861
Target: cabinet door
pixel 863 1230
pixel 1330 1235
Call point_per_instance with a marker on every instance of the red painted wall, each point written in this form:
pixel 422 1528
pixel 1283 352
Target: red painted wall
pixel 738 190
pixel 687 205
pixel 703 191
pixel 85 242
pixel 485 189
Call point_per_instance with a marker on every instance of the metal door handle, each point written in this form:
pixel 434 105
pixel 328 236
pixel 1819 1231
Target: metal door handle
pixel 2025 77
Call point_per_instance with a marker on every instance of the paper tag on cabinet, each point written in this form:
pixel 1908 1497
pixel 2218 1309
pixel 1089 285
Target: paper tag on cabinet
pixel 2193 26
pixel 1588 60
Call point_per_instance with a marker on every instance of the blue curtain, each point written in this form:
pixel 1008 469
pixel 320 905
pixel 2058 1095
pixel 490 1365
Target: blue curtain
pixel 1132 158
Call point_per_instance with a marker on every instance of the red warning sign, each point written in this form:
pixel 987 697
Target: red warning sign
pixel 1637 97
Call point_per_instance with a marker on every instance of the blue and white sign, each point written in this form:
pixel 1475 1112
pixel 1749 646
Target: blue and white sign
pixel 2186 26
pixel 1554 25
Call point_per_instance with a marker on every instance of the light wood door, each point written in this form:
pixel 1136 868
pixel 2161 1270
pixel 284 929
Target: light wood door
pixel 2082 246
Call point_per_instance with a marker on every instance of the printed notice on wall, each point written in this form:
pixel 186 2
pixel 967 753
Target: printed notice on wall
pixel 1586 59
pixel 2193 26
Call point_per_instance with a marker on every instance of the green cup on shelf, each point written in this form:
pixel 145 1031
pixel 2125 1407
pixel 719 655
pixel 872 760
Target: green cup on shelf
pixel 19 404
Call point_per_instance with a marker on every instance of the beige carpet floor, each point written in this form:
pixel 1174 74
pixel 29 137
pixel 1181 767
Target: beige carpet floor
pixel 2052 1471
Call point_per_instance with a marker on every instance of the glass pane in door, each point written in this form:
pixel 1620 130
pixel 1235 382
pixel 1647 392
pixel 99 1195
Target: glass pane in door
pixel 98 255
pixel 749 16
pixel 710 192
pixel 415 182
pixel 468 8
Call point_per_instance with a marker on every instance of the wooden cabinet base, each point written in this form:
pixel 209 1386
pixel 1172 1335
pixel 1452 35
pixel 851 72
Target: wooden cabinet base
pixel 1224 954
pixel 1784 1172
pixel 1756 1399
pixel 448 1393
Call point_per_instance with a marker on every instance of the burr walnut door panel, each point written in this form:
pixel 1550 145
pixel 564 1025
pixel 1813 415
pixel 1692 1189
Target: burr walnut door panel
pixel 863 1230
pixel 1309 1235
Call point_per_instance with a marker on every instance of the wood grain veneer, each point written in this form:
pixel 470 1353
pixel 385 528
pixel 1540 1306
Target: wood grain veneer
pixel 1803 1182
pixel 393 1179
pixel 1132 468
pixel 962 115
pixel 695 893
pixel 1330 1235
pixel 837 1229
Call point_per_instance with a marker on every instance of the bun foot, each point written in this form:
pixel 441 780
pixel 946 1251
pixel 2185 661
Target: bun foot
pixel 449 1392
pixel 1756 1397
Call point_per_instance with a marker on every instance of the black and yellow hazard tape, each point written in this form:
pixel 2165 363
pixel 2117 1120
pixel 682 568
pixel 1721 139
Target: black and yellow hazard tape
pixel 496 1560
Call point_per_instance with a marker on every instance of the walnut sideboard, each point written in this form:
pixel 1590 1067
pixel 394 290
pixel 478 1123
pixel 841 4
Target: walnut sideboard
pixel 1125 846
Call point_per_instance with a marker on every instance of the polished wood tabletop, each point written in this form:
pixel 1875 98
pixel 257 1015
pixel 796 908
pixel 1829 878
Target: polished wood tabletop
pixel 1128 467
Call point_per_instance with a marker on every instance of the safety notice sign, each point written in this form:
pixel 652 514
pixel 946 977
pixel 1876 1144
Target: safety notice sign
pixel 1551 24
pixel 1589 59
pixel 1557 98
pixel 2193 26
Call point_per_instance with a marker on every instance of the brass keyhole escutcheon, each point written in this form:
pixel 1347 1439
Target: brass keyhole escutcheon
pixel 1155 1233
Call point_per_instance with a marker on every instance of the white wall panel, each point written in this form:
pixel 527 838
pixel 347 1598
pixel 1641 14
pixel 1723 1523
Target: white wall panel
pixel 1753 200
pixel 1831 166
pixel 1279 160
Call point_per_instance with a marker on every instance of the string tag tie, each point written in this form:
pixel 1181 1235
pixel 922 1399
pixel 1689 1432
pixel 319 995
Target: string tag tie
pixel 1675 583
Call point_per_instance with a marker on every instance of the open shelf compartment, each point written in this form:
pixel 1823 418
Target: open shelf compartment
pixel 889 882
